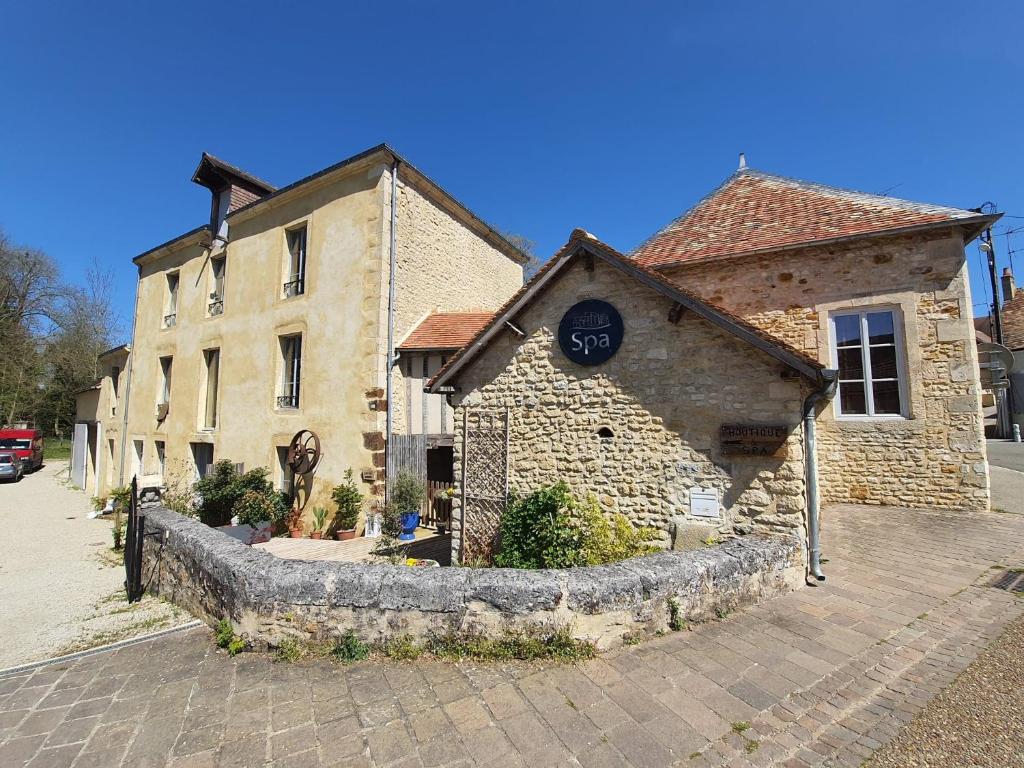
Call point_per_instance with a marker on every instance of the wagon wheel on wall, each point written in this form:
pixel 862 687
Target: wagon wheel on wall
pixel 304 452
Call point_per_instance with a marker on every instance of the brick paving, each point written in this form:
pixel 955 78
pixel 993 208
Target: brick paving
pixel 819 677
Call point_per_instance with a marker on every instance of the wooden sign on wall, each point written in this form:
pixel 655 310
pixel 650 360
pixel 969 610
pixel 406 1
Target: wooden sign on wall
pixel 755 440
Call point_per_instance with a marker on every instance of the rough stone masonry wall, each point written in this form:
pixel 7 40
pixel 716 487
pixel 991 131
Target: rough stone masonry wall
pixel 663 395
pixel 443 266
pixel 269 599
pixel 936 456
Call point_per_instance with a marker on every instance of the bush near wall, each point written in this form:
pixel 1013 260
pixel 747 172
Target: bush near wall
pixel 549 528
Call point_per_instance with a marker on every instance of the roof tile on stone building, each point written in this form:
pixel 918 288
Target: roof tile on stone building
pixel 571 249
pixel 753 212
pixel 446 330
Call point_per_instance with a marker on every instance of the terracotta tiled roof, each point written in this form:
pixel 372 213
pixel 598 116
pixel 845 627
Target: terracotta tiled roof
pixel 753 212
pixel 446 330
pixel 581 241
pixel 1013 322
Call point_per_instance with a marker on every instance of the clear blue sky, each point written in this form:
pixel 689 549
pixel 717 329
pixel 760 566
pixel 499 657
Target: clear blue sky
pixel 541 117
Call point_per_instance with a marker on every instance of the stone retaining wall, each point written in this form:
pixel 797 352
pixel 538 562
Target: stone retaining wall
pixel 269 599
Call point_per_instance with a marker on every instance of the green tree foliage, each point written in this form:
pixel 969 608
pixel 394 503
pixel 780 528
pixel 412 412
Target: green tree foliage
pixel 550 529
pixel 51 333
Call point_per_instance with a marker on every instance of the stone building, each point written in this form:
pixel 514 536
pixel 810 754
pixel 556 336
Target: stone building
pixel 281 313
pixel 685 418
pixel 828 270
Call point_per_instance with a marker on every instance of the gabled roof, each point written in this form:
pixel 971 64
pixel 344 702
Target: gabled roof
pixel 214 174
pixel 583 244
pixel 445 330
pixel 754 212
pixel 407 172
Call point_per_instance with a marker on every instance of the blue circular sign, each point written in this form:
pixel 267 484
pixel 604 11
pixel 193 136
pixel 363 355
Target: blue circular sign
pixel 590 332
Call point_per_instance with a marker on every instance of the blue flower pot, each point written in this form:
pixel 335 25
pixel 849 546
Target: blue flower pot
pixel 410 522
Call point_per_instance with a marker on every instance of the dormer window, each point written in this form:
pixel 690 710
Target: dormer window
pixel 295 281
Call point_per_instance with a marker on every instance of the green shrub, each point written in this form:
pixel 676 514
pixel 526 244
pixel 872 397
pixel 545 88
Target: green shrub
pixel 550 529
pixel 558 644
pixel 537 531
pixel 407 493
pixel 349 501
pixel 402 648
pixel 227 639
pixel 350 648
pixel 122 498
pixel 289 650
pixel 255 507
pixel 224 487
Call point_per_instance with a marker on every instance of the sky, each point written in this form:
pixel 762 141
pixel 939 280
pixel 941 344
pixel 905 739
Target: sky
pixel 540 117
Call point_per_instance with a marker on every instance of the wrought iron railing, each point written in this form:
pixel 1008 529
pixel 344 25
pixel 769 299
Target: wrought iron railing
pixel 171 320
pixel 134 533
pixel 216 307
pixel 287 401
pixel 294 287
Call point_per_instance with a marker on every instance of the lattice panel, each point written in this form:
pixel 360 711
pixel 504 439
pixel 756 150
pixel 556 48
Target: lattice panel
pixel 484 481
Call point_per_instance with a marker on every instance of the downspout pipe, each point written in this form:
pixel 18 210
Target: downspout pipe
pixel 825 391
pixel 389 420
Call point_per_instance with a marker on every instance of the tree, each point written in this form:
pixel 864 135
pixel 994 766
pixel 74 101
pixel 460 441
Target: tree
pixel 51 333
pixel 528 247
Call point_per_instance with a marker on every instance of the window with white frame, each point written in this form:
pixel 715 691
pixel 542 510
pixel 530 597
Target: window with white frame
pixel 295 282
pixel 171 312
pixel 868 351
pixel 291 371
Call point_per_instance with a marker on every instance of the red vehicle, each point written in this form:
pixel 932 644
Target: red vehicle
pixel 27 444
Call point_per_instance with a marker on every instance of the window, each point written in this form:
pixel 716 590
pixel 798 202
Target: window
pixel 212 358
pixel 165 387
pixel 202 457
pixel 295 282
pixel 285 477
pixel 868 353
pixel 136 457
pixel 171 315
pixel 216 305
pixel 291 352
pixel 161 456
pixel 115 378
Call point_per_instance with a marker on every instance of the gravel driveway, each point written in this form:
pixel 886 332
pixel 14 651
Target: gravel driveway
pixel 60 583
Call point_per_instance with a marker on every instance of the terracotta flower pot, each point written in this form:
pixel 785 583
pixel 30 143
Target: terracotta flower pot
pixel 345 535
pixel 316 535
pixel 295 533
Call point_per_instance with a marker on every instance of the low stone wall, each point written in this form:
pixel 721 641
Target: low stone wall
pixel 269 599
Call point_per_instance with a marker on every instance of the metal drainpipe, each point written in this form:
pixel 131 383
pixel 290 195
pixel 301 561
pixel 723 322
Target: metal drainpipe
pixel 826 392
pixel 391 317
pixel 128 382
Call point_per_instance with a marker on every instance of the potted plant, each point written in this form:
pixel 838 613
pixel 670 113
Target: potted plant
pixel 407 495
pixel 295 523
pixel 259 510
pixel 319 518
pixel 350 503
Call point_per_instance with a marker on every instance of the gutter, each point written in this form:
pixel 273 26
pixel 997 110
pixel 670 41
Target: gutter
pixel 128 383
pixel 826 390
pixel 389 421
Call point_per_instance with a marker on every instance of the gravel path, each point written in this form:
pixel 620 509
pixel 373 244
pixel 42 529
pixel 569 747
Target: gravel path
pixel 60 583
pixel 977 722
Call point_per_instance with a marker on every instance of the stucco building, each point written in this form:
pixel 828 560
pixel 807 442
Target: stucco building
pixel 278 315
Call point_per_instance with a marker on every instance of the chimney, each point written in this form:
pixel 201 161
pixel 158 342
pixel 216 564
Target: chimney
pixel 1009 289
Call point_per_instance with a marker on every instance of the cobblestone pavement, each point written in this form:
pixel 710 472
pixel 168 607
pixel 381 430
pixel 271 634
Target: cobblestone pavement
pixel 821 676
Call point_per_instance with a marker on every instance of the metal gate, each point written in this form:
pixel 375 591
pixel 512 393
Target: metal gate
pixel 484 481
pixel 136 529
